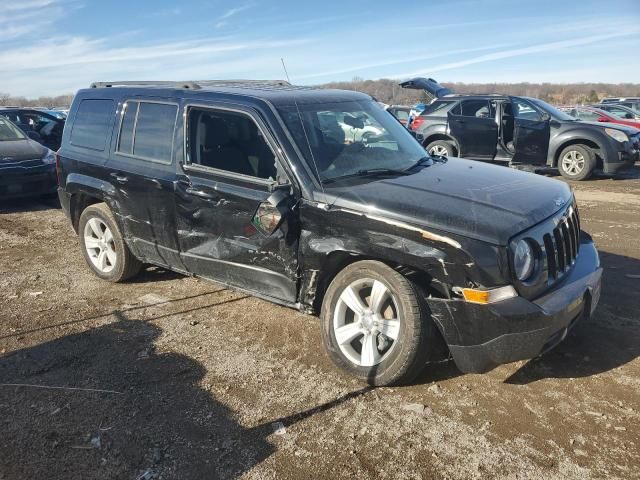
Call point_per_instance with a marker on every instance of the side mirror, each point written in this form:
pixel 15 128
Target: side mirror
pixel 603 119
pixel 270 213
pixel 545 117
pixel 628 116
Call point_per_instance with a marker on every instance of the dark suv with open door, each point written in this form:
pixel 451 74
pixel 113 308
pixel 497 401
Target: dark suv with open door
pixel 522 132
pixel 269 189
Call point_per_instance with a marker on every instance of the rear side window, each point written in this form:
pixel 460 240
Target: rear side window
pixel 474 108
pixel 147 130
pixel 92 124
pixel 439 107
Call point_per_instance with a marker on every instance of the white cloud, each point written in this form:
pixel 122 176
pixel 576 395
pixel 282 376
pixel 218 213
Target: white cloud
pixel 517 52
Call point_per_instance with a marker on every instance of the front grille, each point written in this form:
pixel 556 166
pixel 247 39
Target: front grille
pixel 562 244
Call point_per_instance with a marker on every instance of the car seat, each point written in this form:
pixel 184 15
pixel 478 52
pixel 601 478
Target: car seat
pixel 219 152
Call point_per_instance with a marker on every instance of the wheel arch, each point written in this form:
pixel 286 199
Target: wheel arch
pixel 84 191
pixel 576 141
pixel 441 136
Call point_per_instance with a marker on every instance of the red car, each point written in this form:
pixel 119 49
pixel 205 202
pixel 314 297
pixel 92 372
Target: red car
pixel 592 114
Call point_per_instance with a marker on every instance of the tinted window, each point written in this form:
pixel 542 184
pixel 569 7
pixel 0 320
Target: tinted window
pixel 125 142
pixel 229 141
pixel 475 108
pixel 438 107
pixel 154 131
pixel 92 124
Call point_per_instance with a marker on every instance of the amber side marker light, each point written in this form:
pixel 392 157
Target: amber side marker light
pixel 485 297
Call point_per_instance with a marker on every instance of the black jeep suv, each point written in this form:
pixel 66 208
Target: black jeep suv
pixel 522 132
pixel 270 189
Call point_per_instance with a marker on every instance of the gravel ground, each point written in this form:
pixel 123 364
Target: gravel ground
pixel 176 378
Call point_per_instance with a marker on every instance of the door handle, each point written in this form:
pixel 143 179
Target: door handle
pixel 199 193
pixel 119 177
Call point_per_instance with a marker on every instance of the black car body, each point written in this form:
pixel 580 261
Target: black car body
pixel 26 167
pixel 41 126
pixel 207 199
pixel 523 132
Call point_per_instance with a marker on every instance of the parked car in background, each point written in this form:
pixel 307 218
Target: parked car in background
pixel 39 125
pixel 593 114
pixel 407 258
pixel 631 102
pixel 521 132
pixel 26 167
pixel 400 112
pixel 620 111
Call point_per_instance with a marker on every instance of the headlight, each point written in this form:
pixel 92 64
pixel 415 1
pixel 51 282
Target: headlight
pixel 618 135
pixel 523 260
pixel 49 158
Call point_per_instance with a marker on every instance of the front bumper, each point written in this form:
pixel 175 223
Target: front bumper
pixel 28 182
pixel 624 160
pixel 480 337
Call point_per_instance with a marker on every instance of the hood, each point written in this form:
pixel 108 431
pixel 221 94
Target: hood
pixel 19 150
pixel 462 197
pixel 629 130
pixel 429 85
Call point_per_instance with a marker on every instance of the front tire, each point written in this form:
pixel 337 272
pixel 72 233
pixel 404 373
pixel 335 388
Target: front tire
pixel 577 162
pixel 376 325
pixel 441 148
pixel 103 246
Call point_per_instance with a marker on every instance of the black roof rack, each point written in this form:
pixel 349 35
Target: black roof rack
pixel 193 85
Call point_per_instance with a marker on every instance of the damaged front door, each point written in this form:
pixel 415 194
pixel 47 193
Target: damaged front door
pixel 229 177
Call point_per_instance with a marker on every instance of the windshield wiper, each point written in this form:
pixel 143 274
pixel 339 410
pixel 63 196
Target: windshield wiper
pixel 425 161
pixel 368 172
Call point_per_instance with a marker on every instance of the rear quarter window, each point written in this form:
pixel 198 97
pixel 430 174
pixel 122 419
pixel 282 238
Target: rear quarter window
pixel 92 124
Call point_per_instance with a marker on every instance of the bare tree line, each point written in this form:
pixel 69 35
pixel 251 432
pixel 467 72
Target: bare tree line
pixel 388 91
pixel 58 101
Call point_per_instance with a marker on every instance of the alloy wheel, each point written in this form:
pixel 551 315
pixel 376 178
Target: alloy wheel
pixel 573 162
pixel 100 245
pixel 366 322
pixel 438 150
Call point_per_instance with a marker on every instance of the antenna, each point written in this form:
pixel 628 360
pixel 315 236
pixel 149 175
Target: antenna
pixel 304 130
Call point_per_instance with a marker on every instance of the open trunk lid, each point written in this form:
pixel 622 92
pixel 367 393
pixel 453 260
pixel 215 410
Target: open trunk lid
pixel 429 85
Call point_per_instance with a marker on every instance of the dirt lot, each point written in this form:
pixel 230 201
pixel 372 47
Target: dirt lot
pixel 201 382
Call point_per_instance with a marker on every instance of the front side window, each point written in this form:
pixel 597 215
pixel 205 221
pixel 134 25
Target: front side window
pixel 147 130
pixel 525 111
pixel 349 138
pixel 92 123
pixel 229 141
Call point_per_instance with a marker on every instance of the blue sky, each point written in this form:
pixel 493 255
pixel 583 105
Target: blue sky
pixel 57 46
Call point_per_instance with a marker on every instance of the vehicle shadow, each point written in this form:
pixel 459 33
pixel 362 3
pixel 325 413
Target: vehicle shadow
pixel 631 174
pixel 120 410
pixel 29 204
pixel 609 339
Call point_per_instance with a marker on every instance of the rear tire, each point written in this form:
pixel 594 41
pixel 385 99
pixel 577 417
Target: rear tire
pixel 103 246
pixel 577 162
pixel 441 148
pixel 388 343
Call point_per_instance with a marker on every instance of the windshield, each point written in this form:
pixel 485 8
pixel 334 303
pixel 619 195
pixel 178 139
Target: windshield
pixel 347 138
pixel 551 110
pixel 9 132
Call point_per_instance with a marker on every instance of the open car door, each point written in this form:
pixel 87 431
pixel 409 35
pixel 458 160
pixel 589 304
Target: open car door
pixel 429 85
